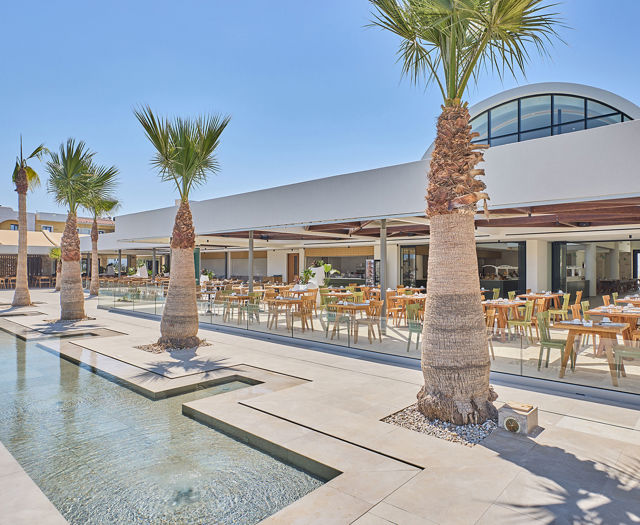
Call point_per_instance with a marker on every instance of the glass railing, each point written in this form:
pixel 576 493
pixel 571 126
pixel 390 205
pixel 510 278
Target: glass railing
pixel 352 326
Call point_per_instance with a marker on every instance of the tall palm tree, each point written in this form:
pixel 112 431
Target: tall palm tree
pixel 25 178
pixel 185 155
pixel 54 254
pixel 69 174
pixel 99 201
pixel 448 43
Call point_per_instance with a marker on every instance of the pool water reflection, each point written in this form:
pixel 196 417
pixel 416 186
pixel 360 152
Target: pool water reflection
pixel 105 454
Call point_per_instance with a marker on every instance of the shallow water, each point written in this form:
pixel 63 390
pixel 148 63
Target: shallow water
pixel 105 454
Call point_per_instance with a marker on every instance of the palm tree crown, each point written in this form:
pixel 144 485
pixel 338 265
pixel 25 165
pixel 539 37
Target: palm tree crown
pixel 448 41
pixel 185 148
pixel 70 174
pixel 32 179
pixel 101 184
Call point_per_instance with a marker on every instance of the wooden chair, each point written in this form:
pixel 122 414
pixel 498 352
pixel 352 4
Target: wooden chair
pixel 524 323
pixel 606 299
pixel 578 297
pixel 372 320
pixel 575 311
pixel 547 342
pixel 304 312
pixel 585 308
pixel 511 295
pixel 491 320
pixel 614 298
pixel 496 293
pixel 621 352
pixel 563 311
pixel 394 309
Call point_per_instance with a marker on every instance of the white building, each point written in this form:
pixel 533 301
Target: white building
pixel 562 173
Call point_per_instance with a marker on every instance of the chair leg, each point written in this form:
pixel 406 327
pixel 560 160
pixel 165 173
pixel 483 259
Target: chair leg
pixel 493 355
pixel 540 357
pixel 408 341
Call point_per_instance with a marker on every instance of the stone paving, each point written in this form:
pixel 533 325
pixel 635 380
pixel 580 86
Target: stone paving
pixel 323 411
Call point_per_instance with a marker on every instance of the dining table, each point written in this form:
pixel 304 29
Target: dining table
pixel 619 314
pixel 632 300
pixel 548 297
pixel 351 309
pixel 503 307
pixel 608 333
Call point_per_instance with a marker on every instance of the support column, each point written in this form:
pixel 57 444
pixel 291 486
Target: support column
pixel 590 268
pixel 538 277
pixel 250 262
pixel 383 274
pixel 153 264
pixel 614 263
pixel 119 262
pixel 227 265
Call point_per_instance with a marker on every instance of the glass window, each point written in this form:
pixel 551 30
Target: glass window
pixel 504 119
pixel 47 228
pixel 567 109
pixel 568 128
pixel 604 121
pixel 480 125
pixel 595 109
pixel 625 118
pixel 499 141
pixel 535 112
pixel 536 134
pixel 14 227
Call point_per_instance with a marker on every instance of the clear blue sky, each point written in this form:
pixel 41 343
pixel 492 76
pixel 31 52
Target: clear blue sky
pixel 311 92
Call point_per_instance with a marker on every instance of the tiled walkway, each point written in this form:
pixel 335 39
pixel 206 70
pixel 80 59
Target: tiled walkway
pixel 325 409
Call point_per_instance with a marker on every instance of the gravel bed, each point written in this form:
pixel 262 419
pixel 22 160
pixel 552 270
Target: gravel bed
pixel 468 435
pixel 157 348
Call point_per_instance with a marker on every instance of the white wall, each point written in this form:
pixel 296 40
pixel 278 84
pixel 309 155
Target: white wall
pixel 241 267
pixel 213 265
pixel 538 265
pixel 277 263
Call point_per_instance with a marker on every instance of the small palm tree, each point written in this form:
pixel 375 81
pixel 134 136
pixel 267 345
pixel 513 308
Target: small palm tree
pixel 99 201
pixel 185 155
pixel 25 178
pixel 69 182
pixel 448 42
pixel 54 254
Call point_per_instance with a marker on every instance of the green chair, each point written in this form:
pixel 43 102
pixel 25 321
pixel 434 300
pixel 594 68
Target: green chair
pixel 252 307
pixel 585 308
pixel 563 312
pixel 414 323
pixel 614 298
pixel 496 293
pixel 547 342
pixel 357 297
pixel 333 316
pixel 408 292
pixel 523 323
pixel 511 295
pixel 624 351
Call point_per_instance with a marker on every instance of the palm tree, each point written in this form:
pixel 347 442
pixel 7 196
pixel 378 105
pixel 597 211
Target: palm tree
pixel 99 201
pixel 54 254
pixel 69 179
pixel 25 178
pixel 185 155
pixel 449 42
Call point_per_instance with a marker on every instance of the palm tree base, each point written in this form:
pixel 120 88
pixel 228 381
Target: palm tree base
pixel 185 342
pixel 457 410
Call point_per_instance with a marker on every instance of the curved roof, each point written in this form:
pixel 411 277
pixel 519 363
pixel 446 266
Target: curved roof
pixel 557 88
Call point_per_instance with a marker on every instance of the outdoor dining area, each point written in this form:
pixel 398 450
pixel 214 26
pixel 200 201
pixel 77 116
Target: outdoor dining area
pixel 548 334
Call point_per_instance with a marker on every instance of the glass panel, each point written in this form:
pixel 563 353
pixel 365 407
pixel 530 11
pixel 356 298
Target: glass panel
pixel 567 109
pixel 568 128
pixel 603 121
pixel 538 133
pixel 535 112
pixel 408 256
pixel 595 109
pixel 625 118
pixel 504 119
pixel 480 125
pixel 499 141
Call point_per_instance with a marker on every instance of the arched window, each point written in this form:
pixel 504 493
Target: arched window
pixel 538 116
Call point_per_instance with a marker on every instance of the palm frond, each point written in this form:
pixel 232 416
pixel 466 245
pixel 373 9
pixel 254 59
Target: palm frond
pixel 68 171
pixel 185 148
pixel 100 184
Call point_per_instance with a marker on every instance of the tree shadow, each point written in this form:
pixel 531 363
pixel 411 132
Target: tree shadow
pixel 563 488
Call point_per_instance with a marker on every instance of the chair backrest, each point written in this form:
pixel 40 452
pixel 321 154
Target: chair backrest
pixel 528 311
pixel 528 290
pixel 357 297
pixel 511 295
pixel 375 309
pixel 565 301
pixel 413 317
pixel 541 305
pixel 496 293
pixel 606 300
pixel 614 297
pixel 491 317
pixel 575 311
pixel 543 327
pixel 408 292
pixel 578 297
pixel 585 309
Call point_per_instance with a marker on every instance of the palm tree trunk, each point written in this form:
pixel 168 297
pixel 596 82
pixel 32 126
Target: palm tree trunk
pixel 455 355
pixel 21 297
pixel 94 289
pixel 179 325
pixel 58 274
pixel 71 293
